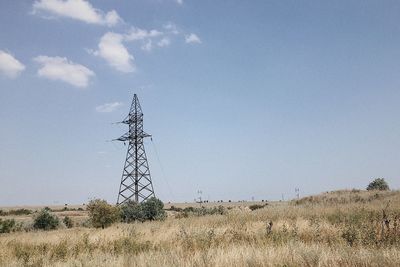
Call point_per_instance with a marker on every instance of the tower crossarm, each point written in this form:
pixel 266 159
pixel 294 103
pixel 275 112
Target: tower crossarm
pixel 128 137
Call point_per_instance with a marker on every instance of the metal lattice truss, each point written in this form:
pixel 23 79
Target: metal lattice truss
pixel 136 184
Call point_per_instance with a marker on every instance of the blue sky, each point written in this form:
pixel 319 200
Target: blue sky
pixel 243 98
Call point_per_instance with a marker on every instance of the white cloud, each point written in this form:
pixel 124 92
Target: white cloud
pixel 108 107
pixel 140 34
pixel 179 2
pixel 137 34
pixel 77 9
pixel 9 65
pixel 60 68
pixel 192 39
pixel 112 18
pixel 164 42
pixel 171 27
pixel 148 46
pixel 115 53
pixel 113 47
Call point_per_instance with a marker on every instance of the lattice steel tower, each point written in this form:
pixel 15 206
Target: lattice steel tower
pixel 136 181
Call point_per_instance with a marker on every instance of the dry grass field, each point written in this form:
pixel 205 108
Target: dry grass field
pixel 342 228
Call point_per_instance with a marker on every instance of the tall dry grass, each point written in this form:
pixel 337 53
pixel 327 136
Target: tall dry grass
pixel 337 229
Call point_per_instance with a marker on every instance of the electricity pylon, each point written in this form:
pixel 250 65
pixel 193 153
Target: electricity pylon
pixel 136 184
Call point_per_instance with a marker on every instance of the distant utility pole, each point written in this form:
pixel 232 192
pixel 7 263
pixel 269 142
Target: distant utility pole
pixel 199 192
pixel 136 184
pixel 297 191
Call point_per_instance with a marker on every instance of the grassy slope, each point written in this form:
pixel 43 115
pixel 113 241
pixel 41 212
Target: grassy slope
pixel 342 228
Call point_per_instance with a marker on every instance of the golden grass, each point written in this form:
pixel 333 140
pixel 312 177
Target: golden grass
pixel 334 229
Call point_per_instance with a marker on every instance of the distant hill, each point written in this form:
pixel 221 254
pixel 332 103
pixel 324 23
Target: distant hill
pixel 351 196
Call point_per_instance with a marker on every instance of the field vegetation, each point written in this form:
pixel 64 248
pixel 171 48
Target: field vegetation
pixel 341 228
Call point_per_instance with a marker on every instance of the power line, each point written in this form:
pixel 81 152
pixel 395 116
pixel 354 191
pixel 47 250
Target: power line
pixel 162 169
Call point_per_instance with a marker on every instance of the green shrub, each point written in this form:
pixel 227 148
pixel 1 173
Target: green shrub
pixel 203 211
pixel 257 206
pixel 68 222
pixel 189 209
pixel 173 208
pixel 132 211
pixel 152 209
pixel 378 184
pixel 102 214
pixel 6 226
pixel 19 212
pixel 44 220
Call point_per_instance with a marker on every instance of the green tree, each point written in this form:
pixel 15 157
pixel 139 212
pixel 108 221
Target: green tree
pixel 378 184
pixel 45 220
pixel 6 226
pixel 102 214
pixel 132 211
pixel 151 209
pixel 68 222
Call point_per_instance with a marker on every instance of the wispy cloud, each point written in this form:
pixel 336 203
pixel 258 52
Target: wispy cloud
pixel 108 107
pixel 60 68
pixel 77 9
pixel 147 46
pixel 171 28
pixel 135 34
pixel 9 65
pixel 164 42
pixel 115 53
pixel 192 39
pixel 112 47
pixel 179 2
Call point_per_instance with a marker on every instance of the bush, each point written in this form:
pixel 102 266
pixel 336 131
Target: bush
pixel 378 184
pixel 132 211
pixel 68 222
pixel 220 210
pixel 189 209
pixel 102 214
pixel 18 212
pixel 257 206
pixel 152 209
pixel 173 208
pixel 6 226
pixel 45 220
